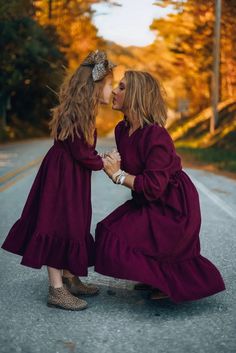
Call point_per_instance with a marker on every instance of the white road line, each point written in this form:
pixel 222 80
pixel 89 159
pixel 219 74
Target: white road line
pixel 218 201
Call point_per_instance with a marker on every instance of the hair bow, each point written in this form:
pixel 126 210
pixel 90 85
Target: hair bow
pixel 101 65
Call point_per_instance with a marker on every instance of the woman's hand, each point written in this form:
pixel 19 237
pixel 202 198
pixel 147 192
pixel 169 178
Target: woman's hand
pixel 111 163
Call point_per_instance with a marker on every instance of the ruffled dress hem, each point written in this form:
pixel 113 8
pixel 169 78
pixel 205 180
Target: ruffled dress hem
pixel 184 279
pixel 39 249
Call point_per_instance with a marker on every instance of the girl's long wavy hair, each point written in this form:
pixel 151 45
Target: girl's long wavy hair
pixel 78 105
pixel 144 98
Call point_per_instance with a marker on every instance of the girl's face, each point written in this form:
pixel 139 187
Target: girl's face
pixel 119 96
pixel 107 90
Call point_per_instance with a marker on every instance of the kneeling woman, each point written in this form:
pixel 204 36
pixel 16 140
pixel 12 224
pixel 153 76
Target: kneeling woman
pixel 154 237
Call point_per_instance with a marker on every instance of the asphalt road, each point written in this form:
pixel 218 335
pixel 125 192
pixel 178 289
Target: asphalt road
pixel 119 319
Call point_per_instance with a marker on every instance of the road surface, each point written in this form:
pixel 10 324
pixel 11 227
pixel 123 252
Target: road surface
pixel 119 320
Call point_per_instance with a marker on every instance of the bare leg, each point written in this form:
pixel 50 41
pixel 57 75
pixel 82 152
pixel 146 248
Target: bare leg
pixel 55 277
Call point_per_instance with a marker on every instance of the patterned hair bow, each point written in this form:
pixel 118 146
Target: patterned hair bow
pixel 101 65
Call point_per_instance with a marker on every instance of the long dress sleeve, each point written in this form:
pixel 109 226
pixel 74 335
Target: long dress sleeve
pixel 159 159
pixel 84 153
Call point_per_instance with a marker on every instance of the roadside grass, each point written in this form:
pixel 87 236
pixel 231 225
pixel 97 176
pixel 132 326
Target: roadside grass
pixel 222 159
pixel 199 147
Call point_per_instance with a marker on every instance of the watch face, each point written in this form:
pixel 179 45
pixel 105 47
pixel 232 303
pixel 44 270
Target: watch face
pixel 122 179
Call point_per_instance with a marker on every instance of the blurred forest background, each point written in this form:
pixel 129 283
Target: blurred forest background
pixel 40 39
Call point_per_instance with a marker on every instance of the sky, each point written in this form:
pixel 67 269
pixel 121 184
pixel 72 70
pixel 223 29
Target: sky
pixel 129 24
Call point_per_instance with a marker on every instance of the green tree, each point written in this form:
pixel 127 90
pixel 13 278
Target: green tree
pixel 30 62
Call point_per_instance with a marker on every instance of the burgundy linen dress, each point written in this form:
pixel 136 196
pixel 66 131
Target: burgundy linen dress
pixel 54 228
pixel 154 237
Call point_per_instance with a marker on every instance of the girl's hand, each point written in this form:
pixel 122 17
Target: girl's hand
pixel 114 154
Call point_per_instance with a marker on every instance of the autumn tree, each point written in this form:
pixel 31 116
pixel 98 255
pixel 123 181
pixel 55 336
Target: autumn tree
pixel 188 35
pixel 72 20
pixel 228 52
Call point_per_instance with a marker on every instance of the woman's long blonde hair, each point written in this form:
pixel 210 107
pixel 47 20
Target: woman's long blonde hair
pixel 78 105
pixel 144 98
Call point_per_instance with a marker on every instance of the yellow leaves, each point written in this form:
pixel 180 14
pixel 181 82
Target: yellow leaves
pixel 72 20
pixel 207 16
pixel 76 28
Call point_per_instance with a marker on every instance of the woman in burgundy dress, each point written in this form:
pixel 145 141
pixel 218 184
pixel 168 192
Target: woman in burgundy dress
pixel 54 228
pixel 154 237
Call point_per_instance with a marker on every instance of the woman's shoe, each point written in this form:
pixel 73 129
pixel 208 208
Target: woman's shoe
pixel 76 287
pixel 61 298
pixel 142 286
pixel 157 294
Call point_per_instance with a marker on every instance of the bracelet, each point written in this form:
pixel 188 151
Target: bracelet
pixel 121 178
pixel 115 175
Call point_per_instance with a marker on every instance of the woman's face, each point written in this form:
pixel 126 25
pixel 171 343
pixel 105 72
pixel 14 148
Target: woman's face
pixel 107 90
pixel 119 96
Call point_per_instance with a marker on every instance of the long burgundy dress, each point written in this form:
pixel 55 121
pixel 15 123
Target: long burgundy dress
pixel 54 228
pixel 154 237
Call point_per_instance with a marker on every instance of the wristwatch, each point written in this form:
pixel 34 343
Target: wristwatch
pixel 122 179
pixel 116 175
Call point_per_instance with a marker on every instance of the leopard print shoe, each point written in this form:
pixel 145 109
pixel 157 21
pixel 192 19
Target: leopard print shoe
pixel 61 298
pixel 77 287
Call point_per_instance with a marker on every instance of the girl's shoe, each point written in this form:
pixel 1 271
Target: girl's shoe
pixel 76 287
pixel 156 294
pixel 61 298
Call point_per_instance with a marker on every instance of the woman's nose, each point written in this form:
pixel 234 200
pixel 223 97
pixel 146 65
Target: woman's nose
pixel 114 91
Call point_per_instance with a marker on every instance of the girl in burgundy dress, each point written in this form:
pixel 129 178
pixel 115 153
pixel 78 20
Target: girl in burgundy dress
pixel 154 237
pixel 54 228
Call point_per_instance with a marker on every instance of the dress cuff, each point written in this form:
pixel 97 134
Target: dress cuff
pixel 138 184
pixel 99 164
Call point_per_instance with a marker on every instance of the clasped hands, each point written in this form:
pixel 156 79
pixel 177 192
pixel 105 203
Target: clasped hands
pixel 111 162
